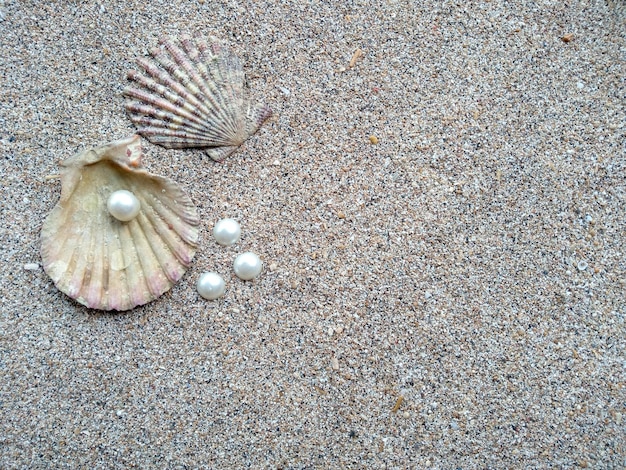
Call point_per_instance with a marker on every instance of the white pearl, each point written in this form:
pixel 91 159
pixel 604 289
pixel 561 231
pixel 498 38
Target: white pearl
pixel 227 232
pixel 123 205
pixel 247 266
pixel 211 286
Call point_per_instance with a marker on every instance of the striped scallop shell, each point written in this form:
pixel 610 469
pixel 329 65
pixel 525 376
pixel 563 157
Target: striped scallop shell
pixel 107 264
pixel 191 94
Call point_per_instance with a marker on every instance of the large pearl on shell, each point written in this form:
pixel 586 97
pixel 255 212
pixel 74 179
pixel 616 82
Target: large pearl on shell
pixel 247 266
pixel 123 205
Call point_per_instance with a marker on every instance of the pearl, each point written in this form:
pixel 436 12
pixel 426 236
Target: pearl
pixel 227 232
pixel 247 266
pixel 210 286
pixel 123 205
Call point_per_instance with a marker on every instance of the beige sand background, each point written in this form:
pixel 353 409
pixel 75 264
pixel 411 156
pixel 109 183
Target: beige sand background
pixel 452 297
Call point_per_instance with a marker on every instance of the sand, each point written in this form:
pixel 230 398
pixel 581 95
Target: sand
pixel 452 296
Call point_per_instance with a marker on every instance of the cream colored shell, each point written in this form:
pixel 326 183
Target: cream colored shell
pixel 107 264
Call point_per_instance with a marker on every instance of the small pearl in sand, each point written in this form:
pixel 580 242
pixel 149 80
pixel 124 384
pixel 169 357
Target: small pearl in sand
pixel 211 286
pixel 227 232
pixel 247 266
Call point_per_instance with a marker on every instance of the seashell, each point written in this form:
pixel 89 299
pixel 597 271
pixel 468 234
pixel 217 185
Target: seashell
pixel 105 263
pixel 192 95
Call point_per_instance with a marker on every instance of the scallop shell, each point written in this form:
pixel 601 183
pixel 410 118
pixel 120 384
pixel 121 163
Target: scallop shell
pixel 107 264
pixel 192 95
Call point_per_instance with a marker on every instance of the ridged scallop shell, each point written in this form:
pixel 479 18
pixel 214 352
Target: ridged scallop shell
pixel 107 264
pixel 192 95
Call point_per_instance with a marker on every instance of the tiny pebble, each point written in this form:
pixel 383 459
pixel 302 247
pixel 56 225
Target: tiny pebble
pixel 373 139
pixel 334 362
pixel 31 266
pixel 582 265
pixel 355 57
